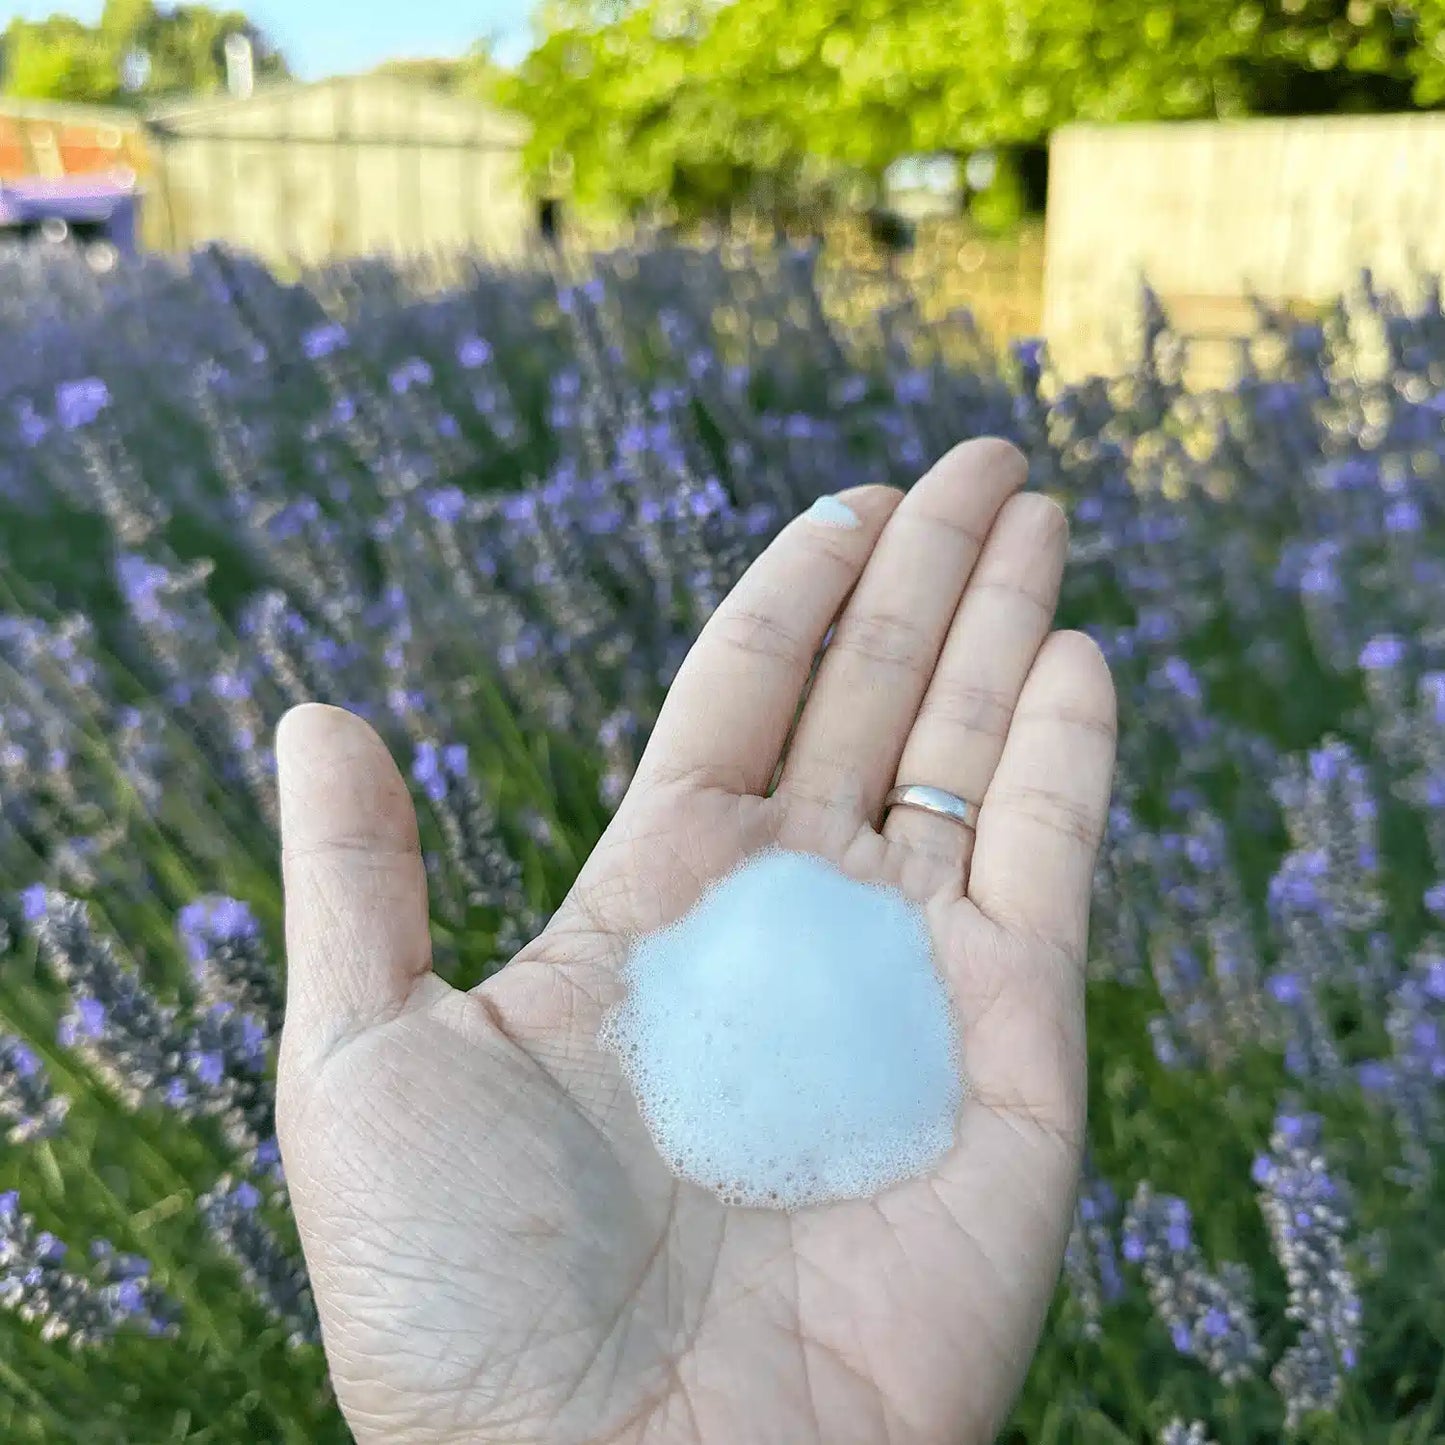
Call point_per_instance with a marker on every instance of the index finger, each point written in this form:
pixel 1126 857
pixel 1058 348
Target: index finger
pixel 733 702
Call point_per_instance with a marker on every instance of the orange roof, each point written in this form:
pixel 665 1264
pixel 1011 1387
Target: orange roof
pixel 34 146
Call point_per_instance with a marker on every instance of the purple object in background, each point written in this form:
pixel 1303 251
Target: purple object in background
pixel 106 206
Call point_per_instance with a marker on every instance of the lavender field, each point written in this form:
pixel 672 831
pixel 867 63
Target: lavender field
pixel 491 517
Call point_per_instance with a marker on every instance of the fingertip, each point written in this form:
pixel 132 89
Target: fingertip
pixel 992 454
pixel 312 735
pixel 314 727
pixel 337 780
pixel 1082 683
pixel 1050 508
pixel 1086 658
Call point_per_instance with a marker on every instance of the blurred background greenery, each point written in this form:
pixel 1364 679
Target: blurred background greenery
pixel 686 111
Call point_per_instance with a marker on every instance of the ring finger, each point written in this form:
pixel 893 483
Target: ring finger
pixel 1002 620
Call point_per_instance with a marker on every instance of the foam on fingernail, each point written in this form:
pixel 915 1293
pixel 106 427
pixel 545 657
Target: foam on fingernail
pixel 789 1040
pixel 832 513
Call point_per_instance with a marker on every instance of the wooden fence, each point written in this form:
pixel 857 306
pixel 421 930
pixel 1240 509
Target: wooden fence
pixel 1209 212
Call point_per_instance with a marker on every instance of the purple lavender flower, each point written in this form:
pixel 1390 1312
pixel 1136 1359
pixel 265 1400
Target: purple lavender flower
pixel 473 352
pixel 1207 1315
pixel 131 1040
pixel 125 1280
pixel 1178 1432
pixel 78 403
pixel 215 1066
pixel 84 1311
pixel 1411 1084
pixel 228 957
pixel 1382 652
pixel 231 1211
pixel 322 341
pixel 446 504
pixel 1325 901
pixel 426 768
pixel 1403 516
pixel 1029 352
pixel 478 858
pixel 1307 1212
pixel 32 902
pixel 226 1056
pixel 28 1108
pixel 33 427
pixel 412 372
pixel 1091 1264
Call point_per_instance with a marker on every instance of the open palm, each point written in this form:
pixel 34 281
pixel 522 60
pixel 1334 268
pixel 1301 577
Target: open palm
pixel 497 1250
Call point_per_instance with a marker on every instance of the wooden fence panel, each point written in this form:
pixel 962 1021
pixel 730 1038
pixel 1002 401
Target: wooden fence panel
pixel 1207 211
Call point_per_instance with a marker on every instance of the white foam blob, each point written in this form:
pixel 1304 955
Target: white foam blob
pixel 789 1040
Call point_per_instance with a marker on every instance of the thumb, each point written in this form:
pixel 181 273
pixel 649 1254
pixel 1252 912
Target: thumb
pixel 356 904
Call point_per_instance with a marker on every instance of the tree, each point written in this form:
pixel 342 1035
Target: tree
pixel 554 15
pixel 678 103
pixel 124 20
pixel 186 46
pixel 703 104
pixel 62 59
pixel 58 59
pixel 475 74
pixel 1426 62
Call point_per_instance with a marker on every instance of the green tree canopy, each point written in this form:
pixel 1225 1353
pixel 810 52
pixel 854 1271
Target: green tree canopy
pixel 58 59
pixel 701 103
pixel 475 74
pixel 61 59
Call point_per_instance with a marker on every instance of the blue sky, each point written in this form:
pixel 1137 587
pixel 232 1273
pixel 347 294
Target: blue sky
pixel 332 37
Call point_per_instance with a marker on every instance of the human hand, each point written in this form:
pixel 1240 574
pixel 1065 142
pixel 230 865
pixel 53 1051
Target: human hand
pixel 497 1250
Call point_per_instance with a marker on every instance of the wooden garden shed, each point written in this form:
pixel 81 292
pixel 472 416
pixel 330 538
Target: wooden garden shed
pixel 356 165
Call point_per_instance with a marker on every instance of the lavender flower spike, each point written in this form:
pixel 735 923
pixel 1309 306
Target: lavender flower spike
pixel 1208 1316
pixel 37 1286
pixel 28 1109
pixel 1308 1215
pixel 130 1039
pixel 1176 1432
pixel 228 957
pixel 1091 1265
pixel 279 1283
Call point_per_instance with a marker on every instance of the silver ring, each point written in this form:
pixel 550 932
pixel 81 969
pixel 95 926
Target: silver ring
pixel 933 800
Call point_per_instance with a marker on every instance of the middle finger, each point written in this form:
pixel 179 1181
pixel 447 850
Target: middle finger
pixel 874 673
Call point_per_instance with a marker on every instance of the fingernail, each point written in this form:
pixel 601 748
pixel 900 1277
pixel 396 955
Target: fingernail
pixel 830 512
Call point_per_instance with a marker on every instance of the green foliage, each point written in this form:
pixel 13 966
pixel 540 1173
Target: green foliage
pixel 61 59
pixel 125 19
pixel 1427 61
pixel 706 105
pixel 58 59
pixel 701 110
pixel 475 74
pixel 1001 205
